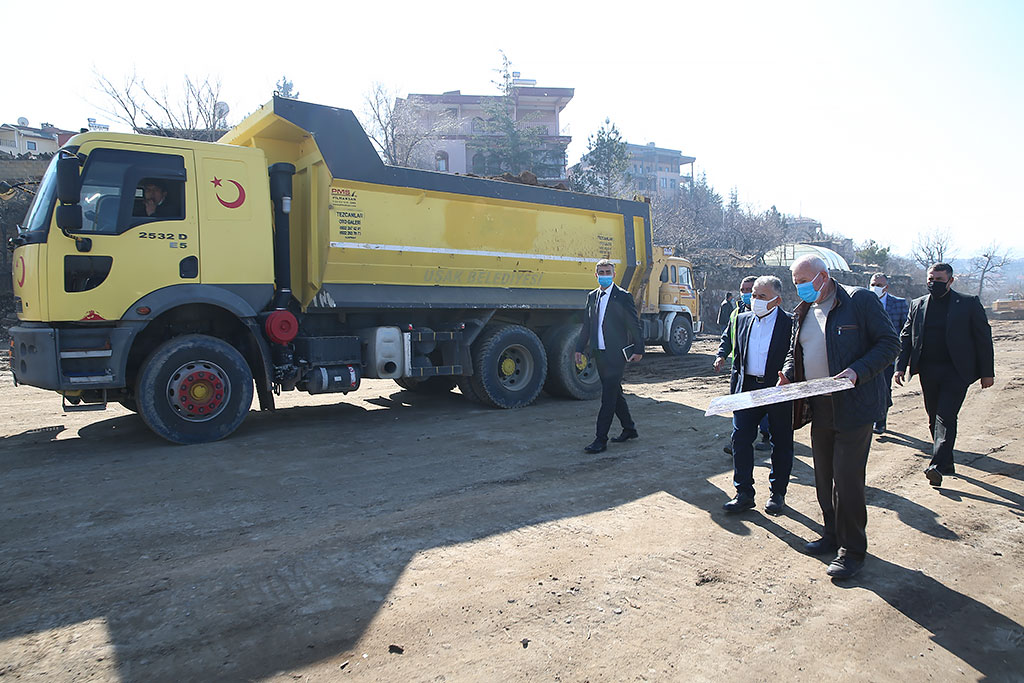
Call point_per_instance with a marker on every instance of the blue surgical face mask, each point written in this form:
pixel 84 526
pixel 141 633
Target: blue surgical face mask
pixel 605 281
pixel 807 292
pixel 746 298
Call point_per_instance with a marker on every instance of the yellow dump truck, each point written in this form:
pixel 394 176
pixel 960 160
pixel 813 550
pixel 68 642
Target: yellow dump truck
pixel 168 275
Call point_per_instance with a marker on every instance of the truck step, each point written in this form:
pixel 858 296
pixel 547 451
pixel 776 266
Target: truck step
pixel 90 379
pixel 435 371
pixel 86 353
pixel 82 407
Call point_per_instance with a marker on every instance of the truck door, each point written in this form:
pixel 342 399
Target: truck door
pixel 139 212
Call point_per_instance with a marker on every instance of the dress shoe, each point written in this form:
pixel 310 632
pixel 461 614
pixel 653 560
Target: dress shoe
pixel 626 435
pixel 844 567
pixel 879 428
pixel 776 502
pixel 727 450
pixel 823 546
pixel 762 446
pixel 934 475
pixel 739 504
pixel 597 447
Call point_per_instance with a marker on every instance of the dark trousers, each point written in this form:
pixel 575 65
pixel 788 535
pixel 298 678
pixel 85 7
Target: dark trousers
pixel 889 371
pixel 612 401
pixel 840 460
pixel 944 393
pixel 744 432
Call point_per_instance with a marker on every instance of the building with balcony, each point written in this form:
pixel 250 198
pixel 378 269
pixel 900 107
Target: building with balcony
pixel 463 149
pixel 658 171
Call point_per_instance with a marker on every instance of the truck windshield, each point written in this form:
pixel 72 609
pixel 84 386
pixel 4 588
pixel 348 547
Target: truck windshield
pixel 38 217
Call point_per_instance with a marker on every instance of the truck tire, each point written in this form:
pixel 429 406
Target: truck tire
pixel 430 385
pixel 509 366
pixel 680 337
pixel 563 377
pixel 194 389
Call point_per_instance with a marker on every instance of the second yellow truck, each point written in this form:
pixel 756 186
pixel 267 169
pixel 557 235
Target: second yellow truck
pixel 174 277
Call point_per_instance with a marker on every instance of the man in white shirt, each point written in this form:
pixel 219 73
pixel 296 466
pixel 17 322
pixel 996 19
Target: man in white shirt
pixel 762 342
pixel 611 328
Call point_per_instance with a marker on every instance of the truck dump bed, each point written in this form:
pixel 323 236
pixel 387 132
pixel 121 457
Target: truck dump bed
pixel 365 235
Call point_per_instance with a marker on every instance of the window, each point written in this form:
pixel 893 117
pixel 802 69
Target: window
pixel 31 145
pixel 479 163
pixel 672 270
pixel 8 143
pixel 664 183
pixel 122 189
pixel 664 274
pixel 441 161
pixel 685 277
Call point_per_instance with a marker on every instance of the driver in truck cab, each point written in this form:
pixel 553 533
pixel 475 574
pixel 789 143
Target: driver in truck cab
pixel 154 202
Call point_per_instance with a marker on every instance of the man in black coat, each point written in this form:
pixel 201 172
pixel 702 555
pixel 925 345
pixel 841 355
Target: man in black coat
pixel 725 311
pixel 843 333
pixel 948 342
pixel 612 329
pixel 762 343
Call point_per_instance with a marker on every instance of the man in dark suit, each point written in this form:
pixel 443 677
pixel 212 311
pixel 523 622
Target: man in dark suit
pixel 725 311
pixel 725 351
pixel 948 342
pixel 896 308
pixel 612 329
pixel 762 343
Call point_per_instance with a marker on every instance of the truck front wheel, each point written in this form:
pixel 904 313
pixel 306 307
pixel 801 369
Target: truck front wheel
pixel 509 366
pixel 194 389
pixel 680 337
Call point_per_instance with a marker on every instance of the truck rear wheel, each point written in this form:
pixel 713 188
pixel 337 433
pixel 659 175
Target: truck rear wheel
pixel 564 379
pixel 430 385
pixel 680 337
pixel 509 366
pixel 194 389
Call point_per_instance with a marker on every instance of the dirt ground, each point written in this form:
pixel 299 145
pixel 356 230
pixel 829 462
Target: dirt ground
pixel 388 536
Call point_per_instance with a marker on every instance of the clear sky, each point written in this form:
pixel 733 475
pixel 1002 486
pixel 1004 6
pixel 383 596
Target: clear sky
pixel 880 119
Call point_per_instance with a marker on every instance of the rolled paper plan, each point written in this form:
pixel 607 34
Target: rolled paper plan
pixel 787 392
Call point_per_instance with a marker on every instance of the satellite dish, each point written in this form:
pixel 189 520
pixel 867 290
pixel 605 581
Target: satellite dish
pixel 22 121
pixel 221 109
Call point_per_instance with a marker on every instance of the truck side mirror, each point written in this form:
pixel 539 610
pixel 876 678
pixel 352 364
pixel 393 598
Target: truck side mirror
pixel 69 184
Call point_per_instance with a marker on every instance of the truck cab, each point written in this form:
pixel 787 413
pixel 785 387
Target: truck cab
pixel 671 302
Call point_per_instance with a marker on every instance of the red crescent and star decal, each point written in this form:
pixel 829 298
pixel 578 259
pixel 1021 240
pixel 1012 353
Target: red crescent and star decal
pixel 241 193
pixel 92 315
pixel 21 280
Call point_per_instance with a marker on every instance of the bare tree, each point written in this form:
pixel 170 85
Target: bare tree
pixel 400 127
pixel 195 113
pixel 932 247
pixel 988 264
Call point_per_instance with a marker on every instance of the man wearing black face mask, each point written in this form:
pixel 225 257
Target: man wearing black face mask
pixel 948 342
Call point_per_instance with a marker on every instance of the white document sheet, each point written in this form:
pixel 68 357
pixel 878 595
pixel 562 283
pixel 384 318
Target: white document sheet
pixel 724 405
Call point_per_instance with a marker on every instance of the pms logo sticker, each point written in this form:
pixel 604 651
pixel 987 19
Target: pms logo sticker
pixel 92 315
pixel 217 182
pixel 21 266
